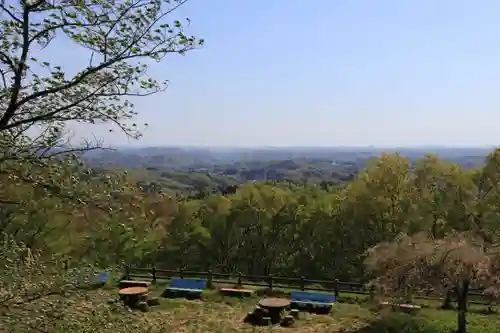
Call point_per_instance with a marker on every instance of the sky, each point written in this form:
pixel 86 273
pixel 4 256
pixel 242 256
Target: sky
pixel 328 73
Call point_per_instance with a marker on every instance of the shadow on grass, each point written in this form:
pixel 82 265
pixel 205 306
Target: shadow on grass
pixel 398 323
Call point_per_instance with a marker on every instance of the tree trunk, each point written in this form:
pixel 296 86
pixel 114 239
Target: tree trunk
pixel 447 301
pixel 462 290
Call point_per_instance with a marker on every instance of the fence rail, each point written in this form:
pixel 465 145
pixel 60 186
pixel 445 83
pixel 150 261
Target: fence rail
pixel 270 281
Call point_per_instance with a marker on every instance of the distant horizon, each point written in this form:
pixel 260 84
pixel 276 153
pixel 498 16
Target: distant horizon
pixel 343 147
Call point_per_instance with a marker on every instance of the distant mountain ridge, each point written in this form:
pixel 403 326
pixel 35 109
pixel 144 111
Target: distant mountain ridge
pixel 191 158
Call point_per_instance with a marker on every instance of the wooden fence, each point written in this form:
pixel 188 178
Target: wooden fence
pixel 270 281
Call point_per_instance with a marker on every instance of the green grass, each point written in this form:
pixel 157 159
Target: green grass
pixel 216 313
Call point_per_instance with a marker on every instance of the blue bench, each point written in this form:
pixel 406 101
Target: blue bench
pixel 185 287
pixel 100 278
pixel 306 298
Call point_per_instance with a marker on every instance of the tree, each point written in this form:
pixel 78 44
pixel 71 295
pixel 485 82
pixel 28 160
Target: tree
pixel 120 38
pixel 433 181
pixel 42 295
pixel 38 98
pixel 379 202
pixel 66 210
pixel 35 294
pixel 486 214
pixel 458 262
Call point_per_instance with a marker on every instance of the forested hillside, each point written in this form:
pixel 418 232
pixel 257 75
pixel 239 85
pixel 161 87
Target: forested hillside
pixel 62 210
pixel 190 172
pixel 306 230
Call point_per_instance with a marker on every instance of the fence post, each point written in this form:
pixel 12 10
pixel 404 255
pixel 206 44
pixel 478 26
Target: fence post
pixel 302 283
pixel 336 288
pixel 239 283
pixel 210 278
pixel 153 271
pixel 270 281
pixel 127 272
pixel 372 292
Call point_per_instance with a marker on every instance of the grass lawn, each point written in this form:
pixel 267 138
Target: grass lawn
pixel 216 313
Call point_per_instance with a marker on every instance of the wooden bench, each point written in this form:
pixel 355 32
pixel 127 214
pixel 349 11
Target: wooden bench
pixel 401 306
pixel 132 283
pixel 185 287
pixel 236 292
pixel 305 298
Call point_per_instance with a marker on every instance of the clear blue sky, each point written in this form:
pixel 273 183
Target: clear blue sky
pixel 330 73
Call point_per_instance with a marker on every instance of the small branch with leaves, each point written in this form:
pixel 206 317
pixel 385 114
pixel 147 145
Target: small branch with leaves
pixel 119 37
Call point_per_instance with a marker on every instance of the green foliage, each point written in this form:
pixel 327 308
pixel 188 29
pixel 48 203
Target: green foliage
pixel 120 40
pixel 59 207
pixel 60 221
pixel 35 293
pixel 306 230
pixel 44 295
pixel 201 181
pixel 197 172
pixel 64 212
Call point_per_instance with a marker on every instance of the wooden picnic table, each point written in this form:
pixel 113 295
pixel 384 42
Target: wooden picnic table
pixel 133 295
pixel 275 306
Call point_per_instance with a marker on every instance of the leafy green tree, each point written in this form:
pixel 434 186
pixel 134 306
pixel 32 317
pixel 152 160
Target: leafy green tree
pixel 120 38
pixel 44 191
pixel 62 209
pixel 378 204
pixel 41 295
pixel 486 215
pixel 34 295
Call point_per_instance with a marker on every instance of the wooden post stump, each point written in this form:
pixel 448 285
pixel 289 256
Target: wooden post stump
pixel 143 306
pixel 153 301
pixel 250 317
pixel 288 321
pixel 260 311
pixel 295 313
